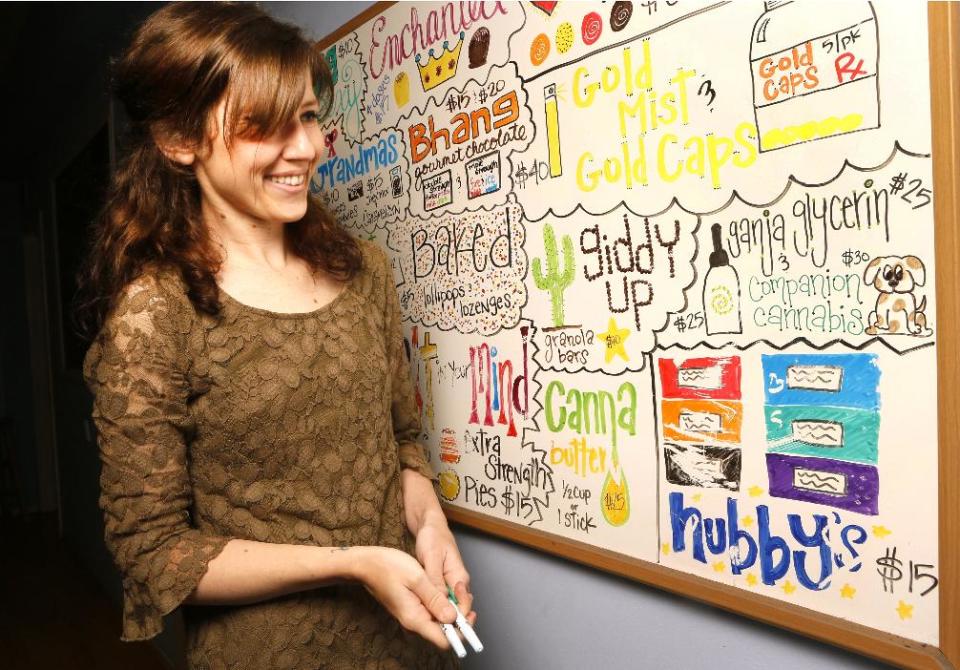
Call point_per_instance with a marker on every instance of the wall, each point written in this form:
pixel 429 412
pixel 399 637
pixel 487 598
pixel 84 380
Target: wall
pixel 56 59
pixel 537 611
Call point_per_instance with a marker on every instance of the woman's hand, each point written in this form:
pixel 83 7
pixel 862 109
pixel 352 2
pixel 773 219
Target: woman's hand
pixel 401 585
pixel 437 551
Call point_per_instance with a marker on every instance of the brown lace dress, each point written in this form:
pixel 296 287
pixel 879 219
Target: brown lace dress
pixel 286 428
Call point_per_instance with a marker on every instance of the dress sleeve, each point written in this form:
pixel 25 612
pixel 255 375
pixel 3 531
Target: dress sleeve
pixel 136 369
pixel 406 418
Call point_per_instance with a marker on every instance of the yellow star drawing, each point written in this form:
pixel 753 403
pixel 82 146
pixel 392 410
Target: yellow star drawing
pixel 789 587
pixel 613 340
pixel 755 491
pixel 847 591
pixel 665 548
pixel 904 610
pixel 719 566
pixel 881 531
pixel 751 579
pixel 747 521
pixel 697 497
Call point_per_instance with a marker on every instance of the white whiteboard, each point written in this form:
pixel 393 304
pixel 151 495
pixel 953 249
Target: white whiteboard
pixel 548 176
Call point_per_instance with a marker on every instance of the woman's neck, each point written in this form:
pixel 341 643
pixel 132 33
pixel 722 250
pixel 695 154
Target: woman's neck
pixel 247 242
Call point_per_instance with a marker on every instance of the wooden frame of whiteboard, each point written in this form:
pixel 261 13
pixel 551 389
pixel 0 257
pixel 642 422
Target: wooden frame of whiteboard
pixel 944 34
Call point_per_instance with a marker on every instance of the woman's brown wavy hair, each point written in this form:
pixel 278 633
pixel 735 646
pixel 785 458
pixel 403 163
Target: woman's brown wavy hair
pixel 180 64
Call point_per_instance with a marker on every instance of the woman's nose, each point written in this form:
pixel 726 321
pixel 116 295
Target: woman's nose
pixel 299 144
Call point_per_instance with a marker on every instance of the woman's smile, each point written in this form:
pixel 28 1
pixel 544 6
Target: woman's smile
pixel 288 183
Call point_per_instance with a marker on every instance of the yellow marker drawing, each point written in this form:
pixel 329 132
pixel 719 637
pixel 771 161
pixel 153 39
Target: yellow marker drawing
pixel 401 89
pixel 747 521
pixel 665 548
pixel 755 491
pixel 847 591
pixel 719 566
pixel 553 129
pixel 881 531
pixel 613 340
pixel 615 503
pixel 789 587
pixel 752 579
pixel 904 610
pixel 449 484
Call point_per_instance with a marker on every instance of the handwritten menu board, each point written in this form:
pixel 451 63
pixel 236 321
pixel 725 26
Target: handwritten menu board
pixel 666 269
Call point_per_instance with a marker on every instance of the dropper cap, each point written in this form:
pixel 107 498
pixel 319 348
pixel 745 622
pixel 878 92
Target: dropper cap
pixel 718 257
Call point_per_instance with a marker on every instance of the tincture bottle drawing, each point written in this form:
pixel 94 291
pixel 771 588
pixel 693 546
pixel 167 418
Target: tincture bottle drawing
pixel 721 291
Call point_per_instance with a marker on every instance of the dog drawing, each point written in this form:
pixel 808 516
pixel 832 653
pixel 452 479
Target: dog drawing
pixel 897 311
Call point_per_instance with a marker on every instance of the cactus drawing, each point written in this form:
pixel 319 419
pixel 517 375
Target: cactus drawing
pixel 554 281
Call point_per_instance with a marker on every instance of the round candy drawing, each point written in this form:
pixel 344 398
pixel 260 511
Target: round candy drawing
pixel 591 28
pixel 479 47
pixel 539 49
pixel 564 37
pixel 620 15
pixel 449 484
pixel 401 89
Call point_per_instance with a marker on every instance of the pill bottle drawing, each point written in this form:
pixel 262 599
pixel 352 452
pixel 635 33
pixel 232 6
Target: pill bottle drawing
pixel 815 71
pixel 721 291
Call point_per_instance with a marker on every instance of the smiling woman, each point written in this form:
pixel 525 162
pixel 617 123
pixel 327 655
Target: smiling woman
pixel 256 420
pixel 181 82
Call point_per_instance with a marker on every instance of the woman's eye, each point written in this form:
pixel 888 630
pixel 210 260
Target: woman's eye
pixel 312 116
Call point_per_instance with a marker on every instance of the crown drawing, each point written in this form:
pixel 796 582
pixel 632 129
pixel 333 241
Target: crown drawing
pixel 439 69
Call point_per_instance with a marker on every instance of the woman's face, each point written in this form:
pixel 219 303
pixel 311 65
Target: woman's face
pixel 266 180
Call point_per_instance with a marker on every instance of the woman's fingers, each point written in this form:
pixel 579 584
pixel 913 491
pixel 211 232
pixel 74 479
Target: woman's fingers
pixel 435 600
pixel 465 599
pixel 433 566
pixel 423 625
pixel 399 582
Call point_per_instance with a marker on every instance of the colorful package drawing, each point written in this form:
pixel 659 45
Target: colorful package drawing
pixel 437 190
pixel 814 82
pixel 701 415
pixel 483 175
pixel 822 417
pixel 704 466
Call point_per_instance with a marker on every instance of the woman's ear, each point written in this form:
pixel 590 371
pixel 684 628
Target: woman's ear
pixel 178 152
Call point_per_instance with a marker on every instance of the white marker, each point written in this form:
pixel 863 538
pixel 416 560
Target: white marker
pixel 454 640
pixel 467 631
pixel 463 624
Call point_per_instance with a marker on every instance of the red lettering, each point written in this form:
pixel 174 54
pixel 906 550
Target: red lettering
pixel 377 28
pixel 844 66
pixel 445 22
